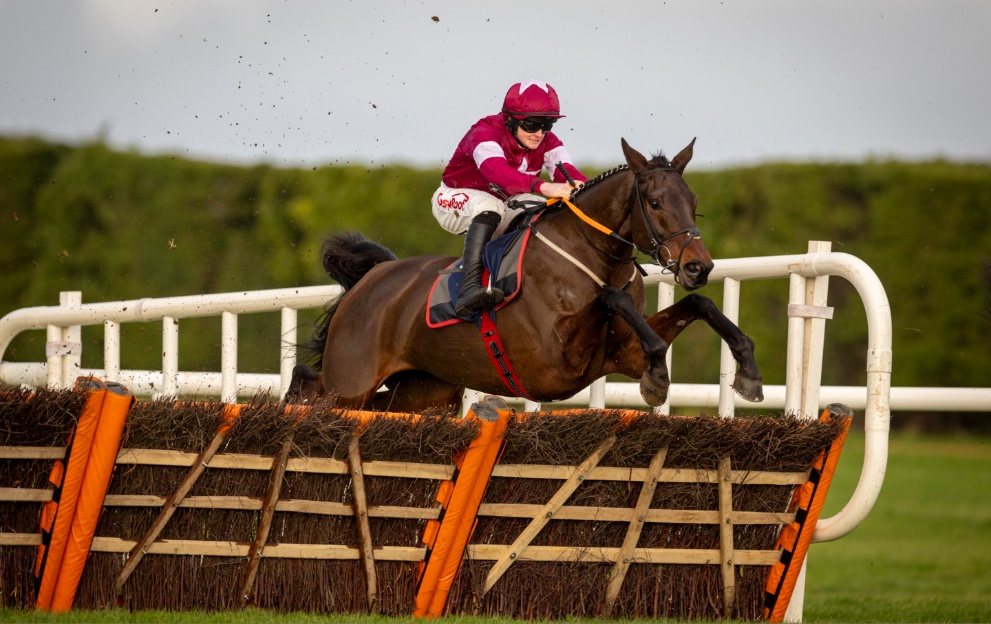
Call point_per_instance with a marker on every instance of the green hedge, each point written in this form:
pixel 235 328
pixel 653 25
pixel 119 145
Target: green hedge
pixel 123 225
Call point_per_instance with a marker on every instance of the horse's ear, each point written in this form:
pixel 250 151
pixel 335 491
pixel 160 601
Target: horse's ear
pixel 684 156
pixel 634 159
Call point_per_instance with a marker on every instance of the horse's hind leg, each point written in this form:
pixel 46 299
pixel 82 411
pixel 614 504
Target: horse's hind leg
pixel 670 322
pixel 417 391
pixel 655 380
pixel 305 387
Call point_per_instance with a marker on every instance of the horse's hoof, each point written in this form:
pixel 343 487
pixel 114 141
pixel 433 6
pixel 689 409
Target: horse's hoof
pixel 652 392
pixel 750 389
pixel 488 408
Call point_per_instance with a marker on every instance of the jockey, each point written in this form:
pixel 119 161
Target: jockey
pixel 502 153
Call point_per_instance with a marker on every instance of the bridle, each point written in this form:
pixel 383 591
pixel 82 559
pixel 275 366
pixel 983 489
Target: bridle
pixel 657 241
pixel 660 242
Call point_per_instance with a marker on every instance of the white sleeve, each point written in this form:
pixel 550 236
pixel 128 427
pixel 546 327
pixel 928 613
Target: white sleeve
pixel 486 150
pixel 554 156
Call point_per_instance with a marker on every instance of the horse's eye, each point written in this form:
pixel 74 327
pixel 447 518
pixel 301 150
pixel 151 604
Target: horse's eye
pixel 654 203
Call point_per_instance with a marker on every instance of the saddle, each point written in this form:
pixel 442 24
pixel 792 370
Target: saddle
pixel 503 261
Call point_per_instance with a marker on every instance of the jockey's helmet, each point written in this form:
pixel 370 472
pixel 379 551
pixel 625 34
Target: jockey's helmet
pixel 531 98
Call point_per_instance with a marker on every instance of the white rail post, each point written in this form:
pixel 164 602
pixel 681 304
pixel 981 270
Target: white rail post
pixel 816 295
pixel 170 356
pixel 287 359
pixel 73 337
pixel 53 357
pixel 469 398
pixel 665 299
pixel 794 351
pixel 228 357
pixel 63 347
pixel 111 351
pixel 597 394
pixel 727 365
pixel 814 331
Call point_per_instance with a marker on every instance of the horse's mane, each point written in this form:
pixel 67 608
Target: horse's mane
pixel 656 160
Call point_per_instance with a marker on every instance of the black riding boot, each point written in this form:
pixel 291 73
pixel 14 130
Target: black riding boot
pixel 473 297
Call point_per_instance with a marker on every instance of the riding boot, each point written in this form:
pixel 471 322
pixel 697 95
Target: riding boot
pixel 473 297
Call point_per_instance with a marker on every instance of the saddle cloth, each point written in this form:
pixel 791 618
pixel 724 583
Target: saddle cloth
pixel 503 258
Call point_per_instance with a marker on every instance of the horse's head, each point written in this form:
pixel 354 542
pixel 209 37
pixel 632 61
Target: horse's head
pixel 663 216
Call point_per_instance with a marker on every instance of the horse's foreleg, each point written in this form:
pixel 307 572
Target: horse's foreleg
pixel 670 322
pixel 655 380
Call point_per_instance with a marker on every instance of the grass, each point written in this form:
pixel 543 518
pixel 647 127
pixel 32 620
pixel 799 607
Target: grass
pixel 922 553
pixel 920 556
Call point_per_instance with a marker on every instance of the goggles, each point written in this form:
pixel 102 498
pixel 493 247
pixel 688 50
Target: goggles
pixel 532 124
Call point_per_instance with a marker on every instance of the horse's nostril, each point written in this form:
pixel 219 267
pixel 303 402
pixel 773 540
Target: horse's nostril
pixel 693 269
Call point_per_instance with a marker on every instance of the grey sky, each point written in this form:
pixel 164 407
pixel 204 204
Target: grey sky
pixel 311 83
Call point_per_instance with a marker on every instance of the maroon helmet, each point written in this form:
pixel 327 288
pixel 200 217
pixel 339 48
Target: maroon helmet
pixel 532 98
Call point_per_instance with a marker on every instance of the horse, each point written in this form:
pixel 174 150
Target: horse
pixel 579 315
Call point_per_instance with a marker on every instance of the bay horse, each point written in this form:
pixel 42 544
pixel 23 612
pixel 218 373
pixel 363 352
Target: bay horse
pixel 579 315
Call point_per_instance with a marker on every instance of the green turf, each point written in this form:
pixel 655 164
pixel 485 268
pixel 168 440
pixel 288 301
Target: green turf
pixel 922 555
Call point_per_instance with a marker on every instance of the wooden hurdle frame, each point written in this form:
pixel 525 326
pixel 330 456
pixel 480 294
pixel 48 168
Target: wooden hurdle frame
pixel 502 556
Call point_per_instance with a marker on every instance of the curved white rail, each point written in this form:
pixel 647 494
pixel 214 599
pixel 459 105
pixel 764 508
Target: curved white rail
pixel 877 413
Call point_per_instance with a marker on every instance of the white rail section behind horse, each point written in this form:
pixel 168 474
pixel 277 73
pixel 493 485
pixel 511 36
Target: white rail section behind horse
pixel 808 276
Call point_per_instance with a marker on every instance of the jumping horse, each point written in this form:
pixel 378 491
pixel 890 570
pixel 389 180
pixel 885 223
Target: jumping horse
pixel 579 315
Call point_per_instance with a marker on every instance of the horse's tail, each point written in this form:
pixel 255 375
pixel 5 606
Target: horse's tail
pixel 347 257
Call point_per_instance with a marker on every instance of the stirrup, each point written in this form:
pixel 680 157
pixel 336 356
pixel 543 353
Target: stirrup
pixel 479 300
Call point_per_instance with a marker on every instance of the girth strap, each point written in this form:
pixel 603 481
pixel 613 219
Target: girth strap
pixel 497 353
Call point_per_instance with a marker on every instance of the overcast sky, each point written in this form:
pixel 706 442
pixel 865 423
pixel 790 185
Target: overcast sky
pixel 312 83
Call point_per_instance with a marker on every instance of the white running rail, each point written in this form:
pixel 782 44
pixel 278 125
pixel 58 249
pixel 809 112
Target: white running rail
pixel 63 348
